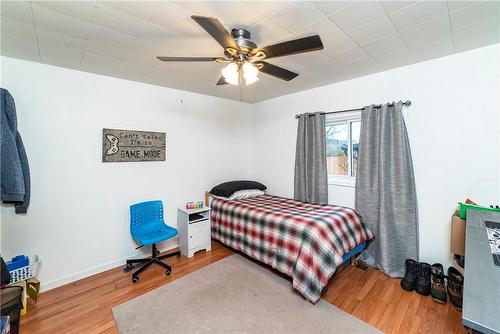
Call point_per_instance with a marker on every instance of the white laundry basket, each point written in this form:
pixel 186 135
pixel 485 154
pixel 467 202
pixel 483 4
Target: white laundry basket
pixel 23 273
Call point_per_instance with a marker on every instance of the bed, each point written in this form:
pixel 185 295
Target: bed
pixel 304 241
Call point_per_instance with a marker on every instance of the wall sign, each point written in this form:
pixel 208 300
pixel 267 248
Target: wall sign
pixel 130 145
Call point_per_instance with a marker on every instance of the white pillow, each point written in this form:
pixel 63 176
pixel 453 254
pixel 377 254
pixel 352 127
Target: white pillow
pixel 247 193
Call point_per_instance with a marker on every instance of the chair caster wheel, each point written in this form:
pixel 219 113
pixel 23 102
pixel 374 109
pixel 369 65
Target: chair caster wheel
pixel 168 272
pixel 128 267
pixel 135 279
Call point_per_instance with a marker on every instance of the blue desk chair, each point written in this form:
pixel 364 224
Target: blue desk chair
pixel 148 228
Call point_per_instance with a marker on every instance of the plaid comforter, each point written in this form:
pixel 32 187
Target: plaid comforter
pixel 303 241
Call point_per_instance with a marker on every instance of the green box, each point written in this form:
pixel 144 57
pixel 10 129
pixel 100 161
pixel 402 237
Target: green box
pixel 464 207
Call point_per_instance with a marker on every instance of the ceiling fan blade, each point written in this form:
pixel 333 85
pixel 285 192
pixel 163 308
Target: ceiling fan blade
pixel 276 71
pixel 217 31
pixel 191 58
pixel 221 81
pixel 306 44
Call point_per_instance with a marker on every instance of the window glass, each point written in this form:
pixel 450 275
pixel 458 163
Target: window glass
pixel 355 130
pixel 337 147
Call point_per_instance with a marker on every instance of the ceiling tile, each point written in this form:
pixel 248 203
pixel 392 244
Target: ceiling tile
pixel 132 70
pixel 174 17
pixel 82 10
pixel 55 54
pixel 431 42
pixel 19 10
pixel 357 14
pixel 418 12
pixel 328 7
pixel 147 52
pixel 63 40
pixel 16 47
pixel 394 58
pixel 99 64
pixel 433 52
pixel 436 28
pixel 118 21
pixel 454 5
pixel 312 61
pixel 266 8
pixel 384 44
pixel 161 36
pixel 108 36
pixel 17 28
pixel 197 47
pixel 140 9
pixel 355 54
pixel 478 34
pixel 51 20
pixel 296 16
pixel 476 13
pixel 105 50
pixel 392 6
pixel 325 28
pixel 372 30
pixel 341 43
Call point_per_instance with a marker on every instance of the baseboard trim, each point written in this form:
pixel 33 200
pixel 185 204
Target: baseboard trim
pixel 95 270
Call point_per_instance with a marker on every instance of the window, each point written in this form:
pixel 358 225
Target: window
pixel 342 143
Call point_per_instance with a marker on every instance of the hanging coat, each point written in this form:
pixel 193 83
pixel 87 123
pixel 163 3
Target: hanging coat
pixel 14 169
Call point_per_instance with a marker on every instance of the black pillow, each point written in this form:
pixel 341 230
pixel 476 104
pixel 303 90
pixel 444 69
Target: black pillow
pixel 226 189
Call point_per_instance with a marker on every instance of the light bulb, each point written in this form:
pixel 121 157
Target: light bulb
pixel 250 73
pixel 230 73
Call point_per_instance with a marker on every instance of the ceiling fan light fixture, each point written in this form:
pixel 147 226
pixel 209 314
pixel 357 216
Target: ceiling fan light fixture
pixel 230 73
pixel 250 73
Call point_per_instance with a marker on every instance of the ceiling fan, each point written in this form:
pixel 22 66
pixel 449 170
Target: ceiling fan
pixel 244 58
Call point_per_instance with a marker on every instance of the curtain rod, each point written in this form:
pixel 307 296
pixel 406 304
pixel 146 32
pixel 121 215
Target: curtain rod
pixel 406 103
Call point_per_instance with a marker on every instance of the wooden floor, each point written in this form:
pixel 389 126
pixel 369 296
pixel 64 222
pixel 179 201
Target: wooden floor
pixel 85 306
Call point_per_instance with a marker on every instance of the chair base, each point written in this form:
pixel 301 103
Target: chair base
pixel 149 261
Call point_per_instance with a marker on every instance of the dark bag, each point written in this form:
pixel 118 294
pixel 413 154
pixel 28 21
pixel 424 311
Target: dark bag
pixel 5 279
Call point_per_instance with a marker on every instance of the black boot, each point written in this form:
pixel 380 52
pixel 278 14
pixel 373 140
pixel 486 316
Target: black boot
pixel 438 287
pixel 408 282
pixel 423 285
pixel 455 287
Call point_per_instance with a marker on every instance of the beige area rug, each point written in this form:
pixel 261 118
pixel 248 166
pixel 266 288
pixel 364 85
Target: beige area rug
pixel 233 295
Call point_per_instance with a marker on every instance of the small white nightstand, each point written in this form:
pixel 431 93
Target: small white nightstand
pixel 194 230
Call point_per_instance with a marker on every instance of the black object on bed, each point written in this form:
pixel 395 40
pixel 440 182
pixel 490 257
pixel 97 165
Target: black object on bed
pixel 226 189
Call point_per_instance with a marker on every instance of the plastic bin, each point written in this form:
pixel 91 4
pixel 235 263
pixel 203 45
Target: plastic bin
pixel 464 207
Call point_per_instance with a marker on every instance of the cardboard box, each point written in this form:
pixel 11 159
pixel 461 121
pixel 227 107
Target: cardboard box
pixel 457 245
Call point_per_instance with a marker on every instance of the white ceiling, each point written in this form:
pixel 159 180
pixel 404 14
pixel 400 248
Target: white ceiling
pixel 122 38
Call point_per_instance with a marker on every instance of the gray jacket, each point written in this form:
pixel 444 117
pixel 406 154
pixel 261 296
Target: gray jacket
pixel 14 169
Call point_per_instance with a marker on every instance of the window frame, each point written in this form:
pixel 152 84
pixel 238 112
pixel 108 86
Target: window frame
pixel 344 118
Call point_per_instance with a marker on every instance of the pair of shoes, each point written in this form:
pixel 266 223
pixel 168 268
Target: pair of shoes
pixel 417 277
pixel 455 287
pixel 438 284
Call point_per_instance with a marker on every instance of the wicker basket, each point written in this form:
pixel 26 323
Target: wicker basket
pixel 23 273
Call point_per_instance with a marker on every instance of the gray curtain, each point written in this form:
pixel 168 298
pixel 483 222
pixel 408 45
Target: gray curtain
pixel 385 189
pixel 311 178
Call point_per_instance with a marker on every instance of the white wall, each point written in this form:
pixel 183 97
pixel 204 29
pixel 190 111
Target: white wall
pixel 453 124
pixel 78 220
